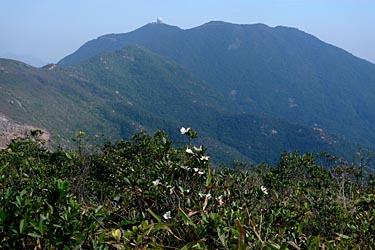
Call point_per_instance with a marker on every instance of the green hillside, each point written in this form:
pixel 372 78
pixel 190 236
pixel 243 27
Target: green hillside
pixel 282 72
pixel 147 86
pixel 118 93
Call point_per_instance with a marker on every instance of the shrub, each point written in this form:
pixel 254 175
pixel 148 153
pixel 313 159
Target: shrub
pixel 147 193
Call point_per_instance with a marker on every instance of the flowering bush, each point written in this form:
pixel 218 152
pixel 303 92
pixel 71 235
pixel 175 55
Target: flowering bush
pixel 146 193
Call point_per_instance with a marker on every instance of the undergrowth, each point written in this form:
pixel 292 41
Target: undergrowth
pixel 147 193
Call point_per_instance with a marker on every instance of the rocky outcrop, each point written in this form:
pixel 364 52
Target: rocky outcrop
pixel 10 129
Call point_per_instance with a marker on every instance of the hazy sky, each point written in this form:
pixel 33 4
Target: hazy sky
pixel 52 29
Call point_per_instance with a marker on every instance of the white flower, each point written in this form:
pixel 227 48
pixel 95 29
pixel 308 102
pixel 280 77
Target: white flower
pixel 264 189
pixel 201 172
pixel 189 151
pixel 205 158
pixel 207 196
pixel 167 215
pixel 182 191
pixel 185 167
pixel 156 182
pixel 184 130
pixel 198 149
pixel 220 200
pixel 196 169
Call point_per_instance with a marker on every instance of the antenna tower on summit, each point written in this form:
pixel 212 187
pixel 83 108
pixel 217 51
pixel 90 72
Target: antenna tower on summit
pixel 159 20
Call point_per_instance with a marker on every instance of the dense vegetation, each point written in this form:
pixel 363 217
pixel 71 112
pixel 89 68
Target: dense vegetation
pixel 149 193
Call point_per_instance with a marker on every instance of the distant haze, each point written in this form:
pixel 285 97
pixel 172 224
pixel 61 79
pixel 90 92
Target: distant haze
pixel 46 31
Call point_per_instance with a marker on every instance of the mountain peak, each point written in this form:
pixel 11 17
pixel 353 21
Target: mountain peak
pixel 158 25
pixel 159 20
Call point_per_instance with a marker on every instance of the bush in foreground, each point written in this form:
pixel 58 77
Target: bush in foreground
pixel 147 193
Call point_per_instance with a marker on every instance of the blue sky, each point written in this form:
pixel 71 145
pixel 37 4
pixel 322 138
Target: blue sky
pixel 52 29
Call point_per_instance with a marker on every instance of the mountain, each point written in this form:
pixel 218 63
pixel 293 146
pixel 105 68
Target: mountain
pixel 112 42
pixel 281 72
pixel 125 91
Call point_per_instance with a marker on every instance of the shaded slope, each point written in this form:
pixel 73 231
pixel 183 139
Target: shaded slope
pixel 261 137
pixel 121 92
pixel 145 86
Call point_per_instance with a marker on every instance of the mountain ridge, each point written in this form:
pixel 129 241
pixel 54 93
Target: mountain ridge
pixel 280 71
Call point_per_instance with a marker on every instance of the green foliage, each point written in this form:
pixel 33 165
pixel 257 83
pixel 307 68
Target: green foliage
pixel 147 193
pixel 38 208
